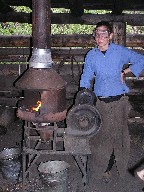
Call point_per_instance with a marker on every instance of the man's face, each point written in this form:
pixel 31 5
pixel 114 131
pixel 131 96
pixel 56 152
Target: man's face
pixel 102 36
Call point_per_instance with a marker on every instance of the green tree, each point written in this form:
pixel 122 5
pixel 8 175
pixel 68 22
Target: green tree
pixel 15 28
pixel 10 28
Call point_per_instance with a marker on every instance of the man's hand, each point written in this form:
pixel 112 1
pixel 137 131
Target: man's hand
pixel 123 74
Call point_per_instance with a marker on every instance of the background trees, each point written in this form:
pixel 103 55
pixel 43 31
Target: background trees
pixel 10 28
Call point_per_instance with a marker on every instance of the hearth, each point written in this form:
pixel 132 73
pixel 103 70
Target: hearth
pixel 44 96
pixel 44 105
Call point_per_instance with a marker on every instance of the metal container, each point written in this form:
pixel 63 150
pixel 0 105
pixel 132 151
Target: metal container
pixel 54 175
pixel 10 162
pixel 47 86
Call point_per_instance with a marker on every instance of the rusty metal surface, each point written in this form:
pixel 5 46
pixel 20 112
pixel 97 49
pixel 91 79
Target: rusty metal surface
pixel 83 120
pixel 41 23
pixel 85 96
pixel 46 81
pixel 41 58
pixel 51 117
pixel 51 101
pixel 40 79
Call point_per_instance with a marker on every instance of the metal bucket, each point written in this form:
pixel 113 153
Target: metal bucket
pixel 10 162
pixel 54 175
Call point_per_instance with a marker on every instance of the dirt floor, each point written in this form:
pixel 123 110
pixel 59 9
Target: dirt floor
pixel 131 183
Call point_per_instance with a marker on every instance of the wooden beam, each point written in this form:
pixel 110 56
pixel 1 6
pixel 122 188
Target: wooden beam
pixel 19 3
pixel 27 51
pixel 66 18
pixel 76 40
pixel 16 17
pixel 119 33
pixel 118 7
pixel 55 51
pixel 76 7
pixel 15 41
pixel 23 54
pixel 4 7
pixel 14 59
pixel 88 4
pixel 92 19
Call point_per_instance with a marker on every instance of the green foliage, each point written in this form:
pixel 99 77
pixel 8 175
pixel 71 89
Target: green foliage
pixel 135 29
pixel 74 28
pixel 10 28
pixel 21 9
pixel 15 28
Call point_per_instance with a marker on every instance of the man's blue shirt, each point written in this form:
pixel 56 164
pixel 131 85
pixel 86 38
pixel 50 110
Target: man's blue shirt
pixel 107 69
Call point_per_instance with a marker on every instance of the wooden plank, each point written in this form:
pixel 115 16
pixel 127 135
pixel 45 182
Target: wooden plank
pixel 84 40
pixel 12 59
pixel 67 18
pixel 8 73
pixel 16 17
pixel 63 52
pixel 56 51
pixel 136 120
pixel 12 70
pixel 118 7
pixel 18 3
pixel 65 69
pixel 15 51
pixel 4 101
pixel 25 59
pixel 92 19
pixel 88 4
pixel 23 54
pixel 76 7
pixel 15 41
pixel 136 84
pixel 66 40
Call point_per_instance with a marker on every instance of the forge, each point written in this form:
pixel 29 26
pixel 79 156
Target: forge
pixel 44 105
pixel 44 96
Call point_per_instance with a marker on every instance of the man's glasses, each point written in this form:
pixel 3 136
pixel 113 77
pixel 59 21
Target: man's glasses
pixel 101 34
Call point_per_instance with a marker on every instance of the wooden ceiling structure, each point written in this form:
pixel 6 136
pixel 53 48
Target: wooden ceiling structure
pixel 77 7
pixel 17 48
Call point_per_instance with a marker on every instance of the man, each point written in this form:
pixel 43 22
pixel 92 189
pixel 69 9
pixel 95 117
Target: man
pixel 105 62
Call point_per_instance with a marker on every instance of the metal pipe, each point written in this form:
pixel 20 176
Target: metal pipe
pixel 41 24
pixel 41 30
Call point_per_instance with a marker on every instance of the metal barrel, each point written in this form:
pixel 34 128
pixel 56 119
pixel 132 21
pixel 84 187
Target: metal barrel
pixel 54 175
pixel 10 163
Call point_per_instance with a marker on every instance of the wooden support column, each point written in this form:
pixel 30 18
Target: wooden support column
pixel 119 31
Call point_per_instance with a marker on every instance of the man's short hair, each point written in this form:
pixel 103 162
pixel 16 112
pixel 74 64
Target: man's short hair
pixel 106 24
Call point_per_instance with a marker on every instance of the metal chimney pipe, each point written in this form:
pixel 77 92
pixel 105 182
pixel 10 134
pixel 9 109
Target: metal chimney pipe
pixel 41 24
pixel 41 80
pixel 41 32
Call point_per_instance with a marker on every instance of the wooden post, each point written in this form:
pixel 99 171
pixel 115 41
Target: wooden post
pixel 119 31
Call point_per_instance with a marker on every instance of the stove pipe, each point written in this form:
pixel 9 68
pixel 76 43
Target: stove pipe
pixel 41 32
pixel 41 77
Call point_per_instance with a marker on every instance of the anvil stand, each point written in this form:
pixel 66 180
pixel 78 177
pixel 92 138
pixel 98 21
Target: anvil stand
pixel 32 151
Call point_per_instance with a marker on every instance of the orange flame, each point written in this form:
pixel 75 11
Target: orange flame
pixel 37 107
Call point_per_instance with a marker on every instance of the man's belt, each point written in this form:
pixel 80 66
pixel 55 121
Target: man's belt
pixel 110 98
